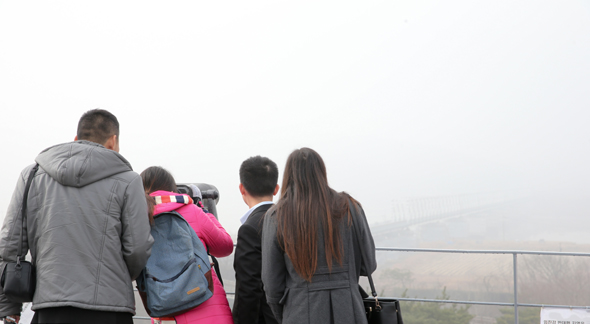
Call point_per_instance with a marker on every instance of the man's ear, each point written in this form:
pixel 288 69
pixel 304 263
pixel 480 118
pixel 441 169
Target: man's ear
pixel 111 143
pixel 242 189
pixel 276 190
pixel 76 138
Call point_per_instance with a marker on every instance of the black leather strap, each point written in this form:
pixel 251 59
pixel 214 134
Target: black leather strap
pixel 24 213
pixel 356 239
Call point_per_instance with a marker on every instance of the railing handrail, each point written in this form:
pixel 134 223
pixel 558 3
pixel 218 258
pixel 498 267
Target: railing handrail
pixel 514 253
pixel 482 251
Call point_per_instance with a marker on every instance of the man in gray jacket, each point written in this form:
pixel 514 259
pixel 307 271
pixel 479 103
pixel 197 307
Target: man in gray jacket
pixel 87 228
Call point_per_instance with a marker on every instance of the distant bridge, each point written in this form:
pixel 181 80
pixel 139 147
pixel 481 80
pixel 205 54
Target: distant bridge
pixel 422 210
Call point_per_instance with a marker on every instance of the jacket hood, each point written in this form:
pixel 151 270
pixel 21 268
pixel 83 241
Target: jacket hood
pixel 167 201
pixel 79 163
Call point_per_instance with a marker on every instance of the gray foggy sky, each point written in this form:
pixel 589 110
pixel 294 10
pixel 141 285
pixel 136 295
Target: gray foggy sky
pixel 402 99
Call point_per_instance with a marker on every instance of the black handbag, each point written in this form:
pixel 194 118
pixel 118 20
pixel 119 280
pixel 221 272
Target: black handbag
pixel 383 310
pixel 18 277
pixel 379 310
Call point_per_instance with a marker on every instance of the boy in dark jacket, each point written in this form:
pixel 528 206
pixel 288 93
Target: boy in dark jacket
pixel 258 185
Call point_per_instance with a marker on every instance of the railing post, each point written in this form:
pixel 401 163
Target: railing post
pixel 515 288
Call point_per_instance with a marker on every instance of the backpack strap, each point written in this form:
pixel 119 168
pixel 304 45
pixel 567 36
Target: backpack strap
pixel 216 266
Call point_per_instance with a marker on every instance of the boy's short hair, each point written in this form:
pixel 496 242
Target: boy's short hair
pixel 97 125
pixel 259 176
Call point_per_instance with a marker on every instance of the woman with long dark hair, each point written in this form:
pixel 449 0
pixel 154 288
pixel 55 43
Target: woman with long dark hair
pixel 311 256
pixel 160 186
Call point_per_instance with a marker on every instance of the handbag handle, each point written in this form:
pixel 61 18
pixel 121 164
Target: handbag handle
pixel 24 213
pixel 356 237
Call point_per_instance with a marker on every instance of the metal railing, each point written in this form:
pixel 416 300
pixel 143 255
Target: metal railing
pixel 514 254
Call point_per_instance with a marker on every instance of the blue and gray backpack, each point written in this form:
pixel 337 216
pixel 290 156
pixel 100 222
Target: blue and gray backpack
pixel 177 276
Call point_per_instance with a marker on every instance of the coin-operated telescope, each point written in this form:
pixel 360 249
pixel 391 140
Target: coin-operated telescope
pixel 201 192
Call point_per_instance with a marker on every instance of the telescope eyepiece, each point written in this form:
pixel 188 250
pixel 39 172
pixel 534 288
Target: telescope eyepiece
pixel 210 194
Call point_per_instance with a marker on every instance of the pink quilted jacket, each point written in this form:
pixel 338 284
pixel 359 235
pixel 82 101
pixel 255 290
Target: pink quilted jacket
pixel 217 240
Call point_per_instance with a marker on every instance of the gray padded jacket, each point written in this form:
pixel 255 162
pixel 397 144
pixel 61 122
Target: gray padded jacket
pixel 88 229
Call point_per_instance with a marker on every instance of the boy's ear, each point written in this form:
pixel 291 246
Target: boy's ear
pixel 111 143
pixel 276 190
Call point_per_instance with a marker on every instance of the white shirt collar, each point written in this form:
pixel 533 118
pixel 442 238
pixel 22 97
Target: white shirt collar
pixel 244 218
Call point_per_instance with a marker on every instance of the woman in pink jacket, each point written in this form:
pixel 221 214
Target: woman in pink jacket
pixel 158 182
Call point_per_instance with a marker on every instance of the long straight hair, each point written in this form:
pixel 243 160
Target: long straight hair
pixel 306 204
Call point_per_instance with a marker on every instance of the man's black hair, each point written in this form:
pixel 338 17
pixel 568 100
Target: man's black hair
pixel 97 125
pixel 259 176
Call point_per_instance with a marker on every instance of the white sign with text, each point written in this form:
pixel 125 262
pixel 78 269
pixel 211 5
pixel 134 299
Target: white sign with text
pixel 564 316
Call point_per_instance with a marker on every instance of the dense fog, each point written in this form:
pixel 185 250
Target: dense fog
pixel 456 124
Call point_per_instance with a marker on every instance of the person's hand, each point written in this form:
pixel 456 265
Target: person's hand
pixel 12 319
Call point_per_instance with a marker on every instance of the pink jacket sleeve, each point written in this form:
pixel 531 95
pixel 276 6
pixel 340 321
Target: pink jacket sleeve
pixel 210 231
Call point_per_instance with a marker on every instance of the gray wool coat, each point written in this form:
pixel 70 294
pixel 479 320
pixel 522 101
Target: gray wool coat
pixel 331 296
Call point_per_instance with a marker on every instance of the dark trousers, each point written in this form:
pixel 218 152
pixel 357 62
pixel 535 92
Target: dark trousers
pixel 74 315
